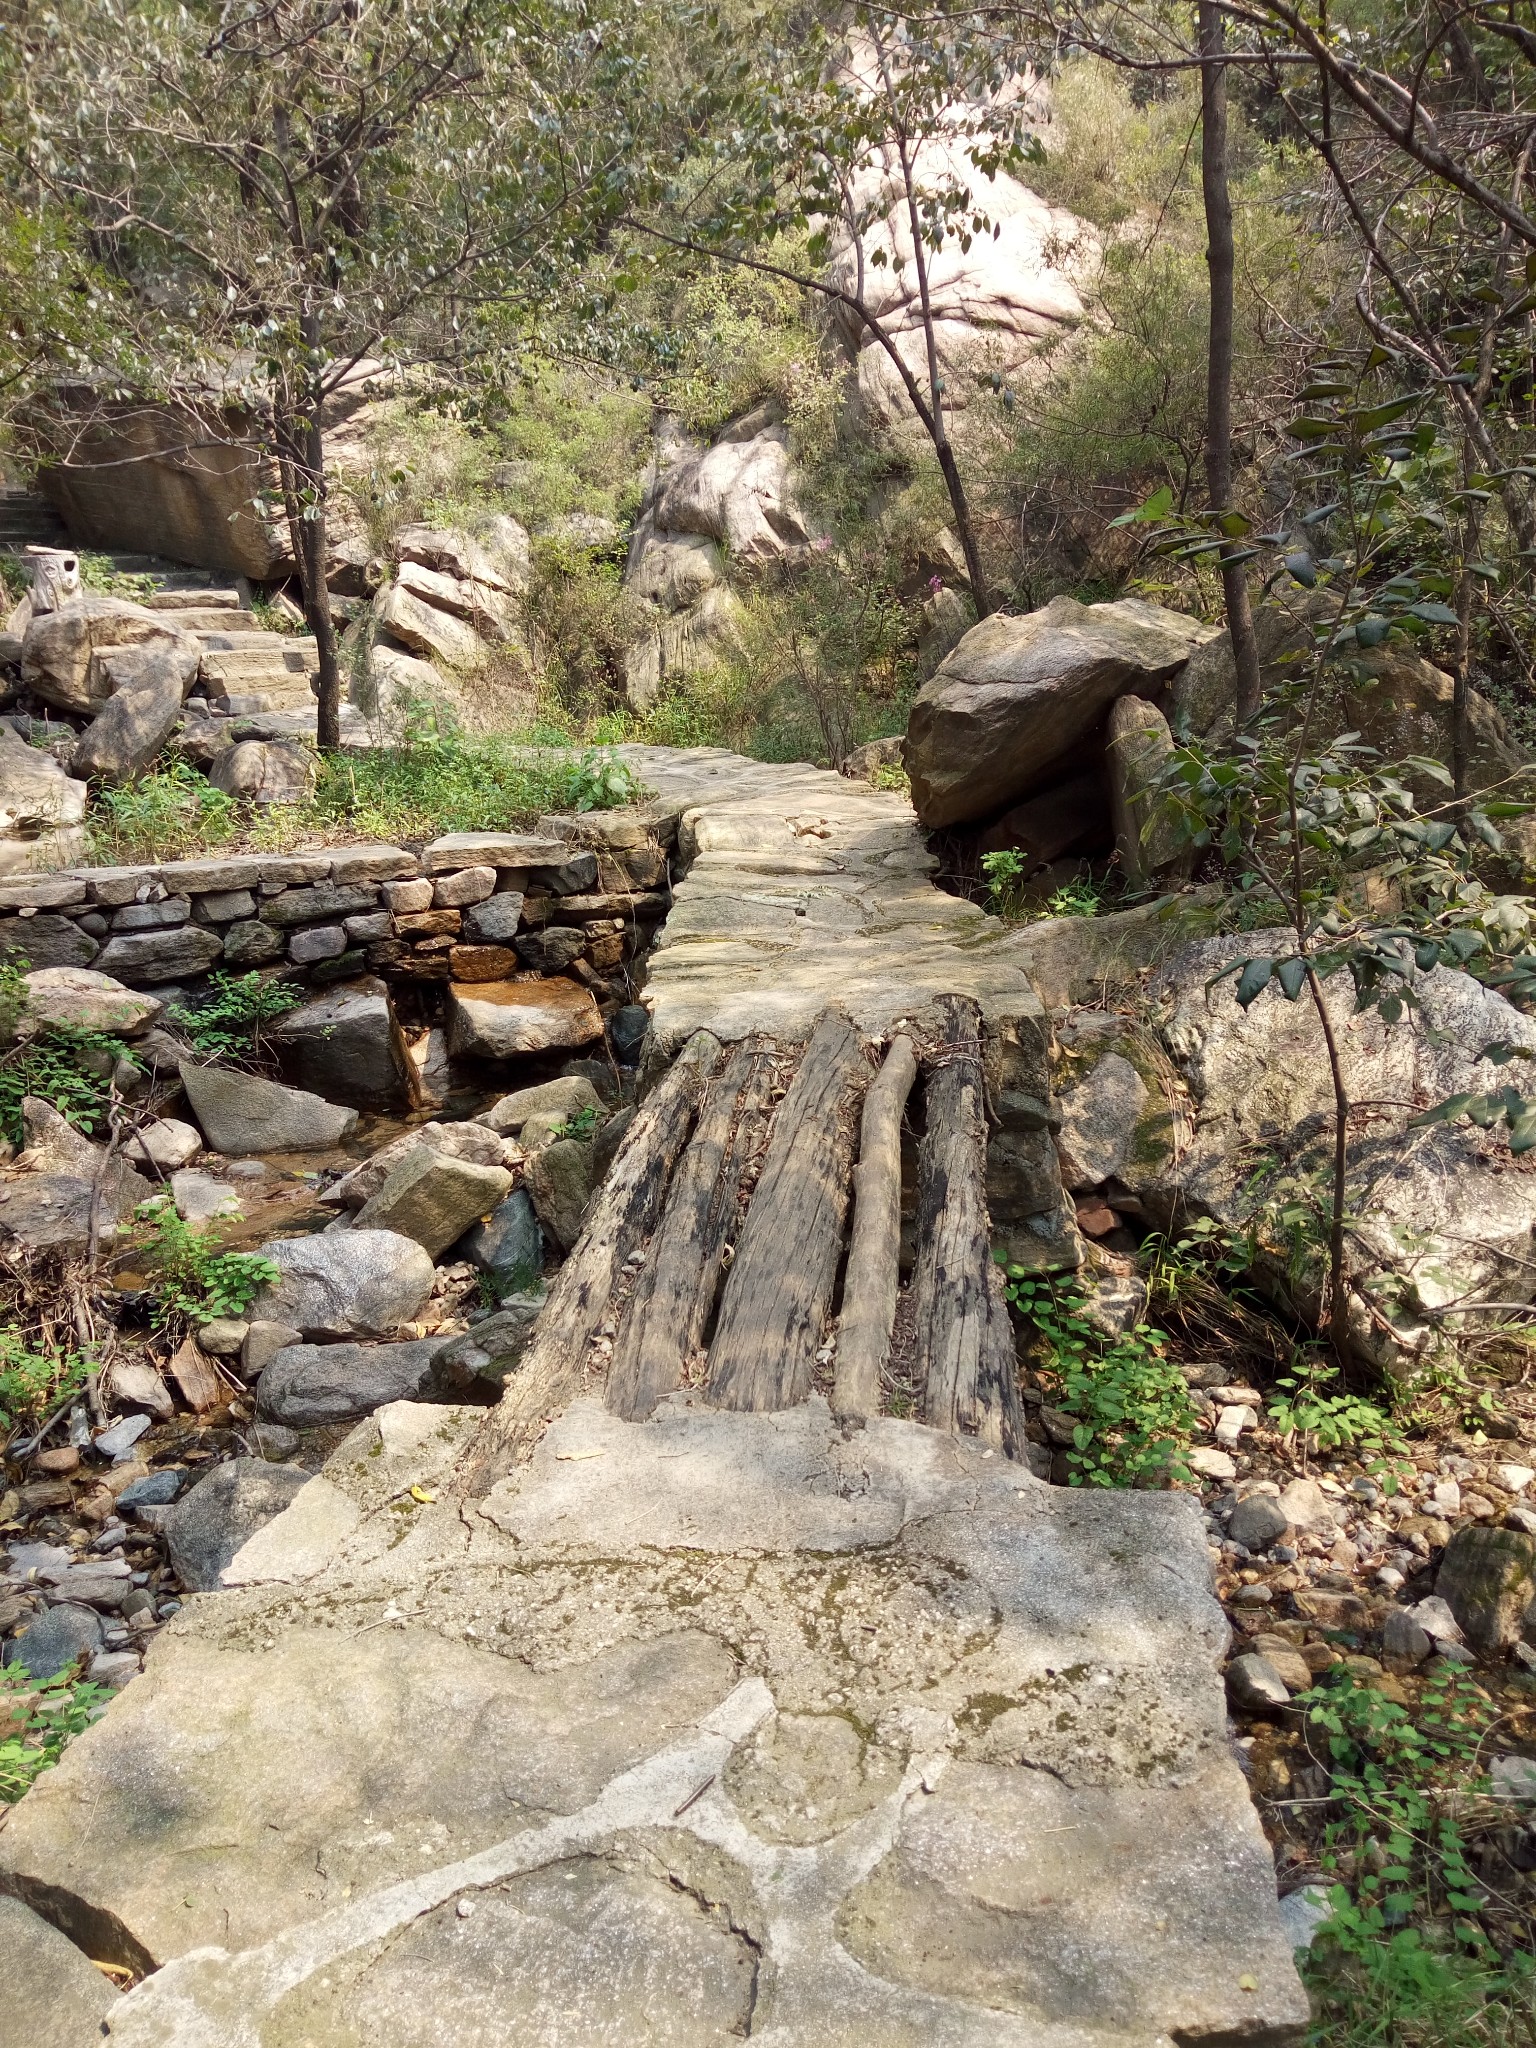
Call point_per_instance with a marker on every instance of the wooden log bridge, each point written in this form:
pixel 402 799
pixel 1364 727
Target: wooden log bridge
pixel 746 1244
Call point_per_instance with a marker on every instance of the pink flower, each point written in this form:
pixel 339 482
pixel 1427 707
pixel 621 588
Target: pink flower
pixel 935 584
pixel 822 542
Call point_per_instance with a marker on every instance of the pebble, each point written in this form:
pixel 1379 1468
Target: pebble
pixel 1252 1596
pixel 120 1439
pixel 113 1667
pixel 1232 1422
pixel 1211 1464
pixel 1257 1522
pixel 1514 1478
pixel 1523 1519
pixel 1447 1498
pixel 1254 1686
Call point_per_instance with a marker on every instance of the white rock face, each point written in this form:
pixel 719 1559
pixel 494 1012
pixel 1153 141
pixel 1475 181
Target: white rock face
pixel 1437 1220
pixel 994 304
pixel 703 505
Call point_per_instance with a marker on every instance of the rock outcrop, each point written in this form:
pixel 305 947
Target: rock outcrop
pixel 733 500
pixel 1022 702
pixel 995 300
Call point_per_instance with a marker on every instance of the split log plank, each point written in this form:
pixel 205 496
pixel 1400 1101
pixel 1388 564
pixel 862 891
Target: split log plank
pixel 669 1311
pixel 624 1210
pixel 779 1290
pixel 873 1276
pixel 964 1342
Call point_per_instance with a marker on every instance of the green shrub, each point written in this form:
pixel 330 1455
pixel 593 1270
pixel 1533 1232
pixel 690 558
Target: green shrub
pixel 33 1383
pixel 193 1280
pixel 227 1022
pixel 454 784
pixel 38 1717
pixel 1134 1418
pixel 165 815
pixel 69 1069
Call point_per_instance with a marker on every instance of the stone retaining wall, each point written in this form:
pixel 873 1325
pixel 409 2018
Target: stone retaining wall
pixel 578 896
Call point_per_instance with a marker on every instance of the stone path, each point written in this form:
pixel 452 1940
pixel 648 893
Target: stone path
pixel 717 1724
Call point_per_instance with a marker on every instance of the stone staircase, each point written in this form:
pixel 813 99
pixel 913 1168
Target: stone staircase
pixel 28 521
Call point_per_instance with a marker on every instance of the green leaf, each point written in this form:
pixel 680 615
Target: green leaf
pixel 1303 568
pixel 1292 975
pixel 1433 614
pixel 1158 506
pixel 1253 980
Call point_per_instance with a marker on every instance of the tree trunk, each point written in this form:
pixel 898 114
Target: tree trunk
pixel 871 1282
pixel 1220 256
pixel 622 1213
pixel 313 541
pixel 964 1340
pixel 674 1298
pixel 773 1315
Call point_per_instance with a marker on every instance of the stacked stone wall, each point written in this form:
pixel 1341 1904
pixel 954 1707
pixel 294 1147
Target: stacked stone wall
pixel 579 897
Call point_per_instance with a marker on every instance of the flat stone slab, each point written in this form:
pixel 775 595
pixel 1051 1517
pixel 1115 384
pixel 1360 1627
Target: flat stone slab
pixel 710 1726
pixel 802 889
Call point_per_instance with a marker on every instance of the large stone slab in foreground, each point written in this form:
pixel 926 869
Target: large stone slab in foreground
pixel 711 1726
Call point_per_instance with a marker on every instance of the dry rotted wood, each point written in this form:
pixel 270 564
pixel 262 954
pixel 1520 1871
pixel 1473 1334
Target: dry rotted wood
pixel 669 1311
pixel 779 1290
pixel 622 1213
pixel 873 1276
pixel 964 1343
pixel 196 1376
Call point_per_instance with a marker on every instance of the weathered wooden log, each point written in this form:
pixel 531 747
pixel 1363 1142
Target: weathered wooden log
pixel 779 1290
pixel 964 1343
pixel 669 1311
pixel 624 1210
pixel 873 1276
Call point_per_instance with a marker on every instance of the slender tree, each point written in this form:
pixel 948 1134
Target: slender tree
pixel 1221 258
pixel 283 190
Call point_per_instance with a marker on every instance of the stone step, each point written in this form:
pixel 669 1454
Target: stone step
pixel 253 668
pixel 193 597
pixel 233 638
pixel 28 520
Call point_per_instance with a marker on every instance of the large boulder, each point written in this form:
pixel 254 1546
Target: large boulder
pixel 497 554
pixel 81 999
pixel 151 959
pixel 59 1637
pixel 560 1178
pixel 498 1020
pixel 65 1190
pixel 475 1366
pixel 1488 1579
pixel 469 1141
pixel 47 941
pixel 1120 1101
pixel 208 1525
pixel 150 685
pixel 1021 701
pixel 308 1386
pixel 1137 747
pixel 242 1113
pixel 434 1198
pixel 567 1095
pixel 1438 1223
pixel 483 606
pixel 994 297
pixel 434 635
pixel 344 1283
pixel 55 1997
pixel 41 809
pixel 737 493
pixel 508 1247
pixel 264 772
pixel 346 1045
pixel 64 658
